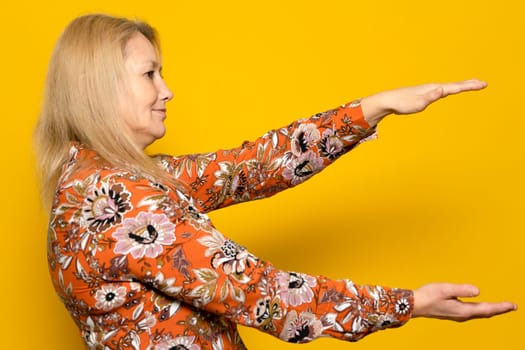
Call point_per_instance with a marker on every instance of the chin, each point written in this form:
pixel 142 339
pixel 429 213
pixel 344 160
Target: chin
pixel 159 135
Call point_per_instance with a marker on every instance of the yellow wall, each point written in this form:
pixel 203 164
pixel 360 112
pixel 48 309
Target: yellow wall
pixel 438 197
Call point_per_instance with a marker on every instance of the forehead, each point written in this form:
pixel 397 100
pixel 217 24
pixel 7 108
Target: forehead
pixel 139 50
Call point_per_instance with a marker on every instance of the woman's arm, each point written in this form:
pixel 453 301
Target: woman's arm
pixel 285 157
pixel 280 159
pixel 215 274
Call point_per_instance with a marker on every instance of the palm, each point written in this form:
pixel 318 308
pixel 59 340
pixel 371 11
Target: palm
pixel 440 300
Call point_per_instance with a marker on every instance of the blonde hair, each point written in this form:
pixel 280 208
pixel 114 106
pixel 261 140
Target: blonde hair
pixel 81 99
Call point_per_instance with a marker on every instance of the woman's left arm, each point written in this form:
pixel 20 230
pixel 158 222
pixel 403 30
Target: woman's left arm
pixel 288 156
pixel 280 159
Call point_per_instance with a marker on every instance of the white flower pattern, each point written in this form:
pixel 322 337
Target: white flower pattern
pixel 110 297
pixel 232 257
pixel 144 235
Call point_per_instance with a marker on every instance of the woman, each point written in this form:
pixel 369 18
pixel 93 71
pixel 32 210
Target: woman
pixel 132 254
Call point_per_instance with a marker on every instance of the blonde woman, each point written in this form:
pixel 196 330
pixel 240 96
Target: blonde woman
pixel 132 254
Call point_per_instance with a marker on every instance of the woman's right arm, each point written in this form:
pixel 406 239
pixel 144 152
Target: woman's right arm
pixel 215 274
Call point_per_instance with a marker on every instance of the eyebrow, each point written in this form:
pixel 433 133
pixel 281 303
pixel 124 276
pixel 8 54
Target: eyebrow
pixel 154 64
pixel 150 64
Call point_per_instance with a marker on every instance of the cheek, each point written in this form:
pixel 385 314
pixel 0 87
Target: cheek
pixel 131 122
pixel 136 104
pixel 132 112
pixel 144 92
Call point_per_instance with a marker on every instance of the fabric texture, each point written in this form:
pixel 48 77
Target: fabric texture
pixel 139 265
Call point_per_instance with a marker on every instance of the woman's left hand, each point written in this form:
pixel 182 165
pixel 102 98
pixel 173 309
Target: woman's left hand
pixel 412 99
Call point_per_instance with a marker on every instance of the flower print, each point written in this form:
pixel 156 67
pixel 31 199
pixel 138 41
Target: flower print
pixel 164 301
pixel 189 164
pixel 296 288
pixel 381 321
pixel 359 327
pixel 266 311
pixel 218 344
pixel 94 338
pixel 300 328
pixel 206 325
pixel 233 257
pixel 190 213
pixel 166 284
pixel 118 267
pixel 167 307
pixel 304 137
pixel 196 219
pixel 349 309
pixel 331 296
pixel 106 207
pixel 232 180
pixel 109 297
pixel 261 168
pixel 179 343
pixel 402 306
pixel 299 169
pixel 144 235
pixel 204 292
pixel 160 202
pixel 331 146
pixel 147 322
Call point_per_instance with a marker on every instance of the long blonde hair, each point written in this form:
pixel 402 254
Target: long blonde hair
pixel 81 94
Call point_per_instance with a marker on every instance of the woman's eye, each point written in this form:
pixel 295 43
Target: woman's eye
pixel 150 74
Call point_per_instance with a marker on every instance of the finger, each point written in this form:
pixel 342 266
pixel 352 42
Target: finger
pixel 485 310
pixel 460 290
pixel 434 95
pixel 462 86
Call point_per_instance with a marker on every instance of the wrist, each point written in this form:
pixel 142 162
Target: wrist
pixel 374 109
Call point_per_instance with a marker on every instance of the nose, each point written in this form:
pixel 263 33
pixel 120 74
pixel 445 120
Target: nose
pixel 165 94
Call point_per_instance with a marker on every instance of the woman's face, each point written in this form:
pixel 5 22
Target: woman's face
pixel 144 104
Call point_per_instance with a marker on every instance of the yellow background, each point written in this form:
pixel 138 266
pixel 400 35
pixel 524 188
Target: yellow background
pixel 437 198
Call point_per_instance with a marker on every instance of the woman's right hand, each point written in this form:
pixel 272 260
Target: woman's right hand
pixel 441 300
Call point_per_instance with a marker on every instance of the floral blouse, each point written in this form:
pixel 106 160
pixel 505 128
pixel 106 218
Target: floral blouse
pixel 139 265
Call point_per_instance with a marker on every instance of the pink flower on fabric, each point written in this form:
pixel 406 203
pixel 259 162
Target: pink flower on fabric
pixel 182 342
pixel 296 288
pixel 303 167
pixel 301 328
pixel 144 235
pixel 304 137
pixel 331 146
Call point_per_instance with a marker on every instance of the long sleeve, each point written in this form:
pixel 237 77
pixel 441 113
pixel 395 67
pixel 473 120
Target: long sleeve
pixel 278 160
pixel 223 278
pixel 137 265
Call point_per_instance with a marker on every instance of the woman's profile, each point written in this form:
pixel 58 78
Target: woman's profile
pixel 132 253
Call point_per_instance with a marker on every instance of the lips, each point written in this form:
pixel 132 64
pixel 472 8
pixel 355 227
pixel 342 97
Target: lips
pixel 160 111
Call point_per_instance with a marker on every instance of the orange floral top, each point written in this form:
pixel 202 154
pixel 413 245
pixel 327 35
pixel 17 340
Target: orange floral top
pixel 139 265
